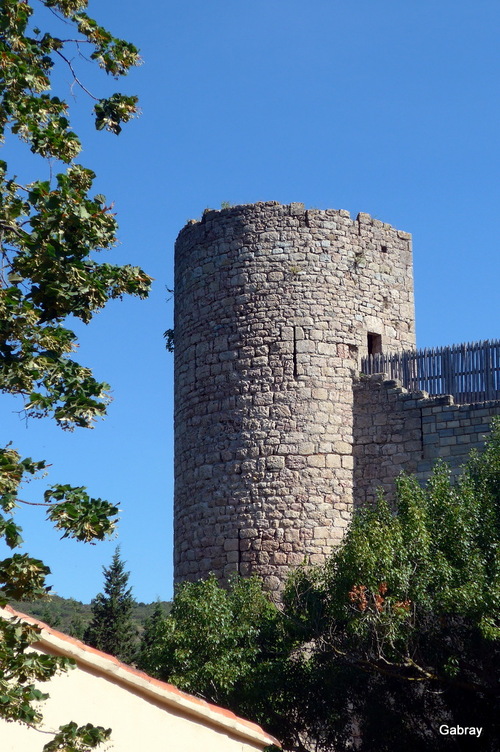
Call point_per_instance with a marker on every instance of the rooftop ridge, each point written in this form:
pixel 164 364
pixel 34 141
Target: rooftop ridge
pixel 63 644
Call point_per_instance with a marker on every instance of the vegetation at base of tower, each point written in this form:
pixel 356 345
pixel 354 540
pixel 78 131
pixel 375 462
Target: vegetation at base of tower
pixel 111 629
pixel 154 627
pixel 396 635
pixel 50 230
pixel 213 638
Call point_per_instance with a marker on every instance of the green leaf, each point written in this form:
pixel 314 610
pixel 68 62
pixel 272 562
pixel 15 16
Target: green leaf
pixel 51 232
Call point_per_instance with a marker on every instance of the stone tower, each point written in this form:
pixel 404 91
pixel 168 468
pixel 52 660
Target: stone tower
pixel 274 307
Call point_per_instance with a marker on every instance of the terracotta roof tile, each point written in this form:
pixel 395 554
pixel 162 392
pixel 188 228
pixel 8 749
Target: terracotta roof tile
pixel 168 690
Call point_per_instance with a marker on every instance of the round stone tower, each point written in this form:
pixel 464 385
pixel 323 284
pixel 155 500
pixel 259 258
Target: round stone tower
pixel 274 307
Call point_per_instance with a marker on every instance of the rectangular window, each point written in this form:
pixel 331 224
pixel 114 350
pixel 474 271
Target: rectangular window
pixel 374 343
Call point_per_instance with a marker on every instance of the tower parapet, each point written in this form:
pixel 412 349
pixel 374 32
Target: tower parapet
pixel 274 307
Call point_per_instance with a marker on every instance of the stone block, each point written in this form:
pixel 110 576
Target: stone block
pixel 322 532
pixel 275 463
pixel 295 462
pixel 413 445
pixel 305 346
pixel 324 348
pixel 279 558
pixel 270 545
pixel 317 559
pixel 482 427
pixel 342 447
pixel 306 447
pixel 460 450
pixel 316 460
pixel 205 472
pixel 430 438
pixel 333 461
pixel 448 440
pixel 320 394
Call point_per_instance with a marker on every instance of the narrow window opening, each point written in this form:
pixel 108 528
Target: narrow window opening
pixel 374 343
pixel 383 248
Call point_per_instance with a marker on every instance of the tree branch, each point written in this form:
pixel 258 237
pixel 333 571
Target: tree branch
pixel 75 77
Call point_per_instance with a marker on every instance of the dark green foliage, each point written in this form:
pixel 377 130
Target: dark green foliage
pixel 151 638
pixel 405 615
pixel 74 738
pixel 169 339
pixel 144 611
pixel 111 629
pixel 76 627
pixel 396 635
pixel 59 613
pixel 213 637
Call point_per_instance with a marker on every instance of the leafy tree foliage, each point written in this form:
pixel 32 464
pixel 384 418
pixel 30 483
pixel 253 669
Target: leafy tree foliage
pixel 396 635
pixel 111 628
pixel 152 635
pixel 405 614
pixel 50 231
pixel 213 637
pixel 74 738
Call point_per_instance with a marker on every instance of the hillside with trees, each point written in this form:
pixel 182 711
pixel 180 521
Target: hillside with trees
pixel 73 617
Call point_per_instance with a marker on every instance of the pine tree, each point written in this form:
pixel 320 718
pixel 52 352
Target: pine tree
pixel 76 627
pixel 111 629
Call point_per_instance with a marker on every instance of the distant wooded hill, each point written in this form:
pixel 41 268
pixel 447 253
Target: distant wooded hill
pixel 71 616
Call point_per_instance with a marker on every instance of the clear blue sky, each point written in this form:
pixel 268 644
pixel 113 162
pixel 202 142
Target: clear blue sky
pixel 390 108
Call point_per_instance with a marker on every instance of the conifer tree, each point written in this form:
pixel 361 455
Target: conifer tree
pixel 77 627
pixel 111 629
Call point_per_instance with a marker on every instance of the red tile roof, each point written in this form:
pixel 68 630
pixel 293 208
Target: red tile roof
pixel 62 643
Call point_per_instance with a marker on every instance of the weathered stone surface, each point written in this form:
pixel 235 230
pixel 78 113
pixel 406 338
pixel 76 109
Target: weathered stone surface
pixel 273 306
pixel 416 431
pixel 276 435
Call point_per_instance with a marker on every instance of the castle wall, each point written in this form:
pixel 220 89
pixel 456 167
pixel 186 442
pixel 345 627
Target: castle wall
pixel 273 307
pixel 450 432
pixel 396 430
pixel 387 435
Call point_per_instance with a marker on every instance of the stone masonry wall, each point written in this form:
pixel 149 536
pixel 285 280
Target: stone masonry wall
pixel 451 431
pixel 396 430
pixel 273 306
